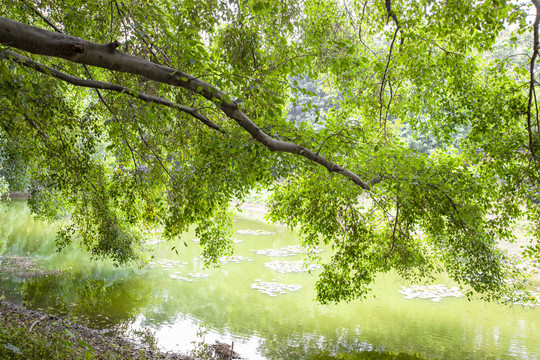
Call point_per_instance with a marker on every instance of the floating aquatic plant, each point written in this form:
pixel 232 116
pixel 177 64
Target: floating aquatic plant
pixel 254 232
pixel 166 264
pixel 291 266
pixel 274 288
pixel 178 277
pixel 233 259
pixel 525 298
pixel 431 292
pixel 198 241
pixel 288 251
pixel 198 275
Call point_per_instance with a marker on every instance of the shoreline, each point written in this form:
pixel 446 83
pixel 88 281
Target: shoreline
pixel 46 329
pixel 50 327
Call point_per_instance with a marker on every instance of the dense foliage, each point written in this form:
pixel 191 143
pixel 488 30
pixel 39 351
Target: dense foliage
pixel 173 150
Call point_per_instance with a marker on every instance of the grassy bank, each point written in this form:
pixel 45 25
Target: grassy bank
pixel 17 342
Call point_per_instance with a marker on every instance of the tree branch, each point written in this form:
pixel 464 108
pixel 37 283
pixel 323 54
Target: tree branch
pixel 94 84
pixel 531 72
pixel 393 245
pixel 383 81
pixel 43 42
pixel 141 135
pixel 392 14
pixel 451 201
pixel 38 13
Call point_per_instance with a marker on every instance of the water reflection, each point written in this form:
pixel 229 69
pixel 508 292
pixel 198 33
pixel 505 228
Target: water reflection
pixel 90 298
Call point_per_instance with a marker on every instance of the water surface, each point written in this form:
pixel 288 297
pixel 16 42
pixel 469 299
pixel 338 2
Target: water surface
pixel 221 303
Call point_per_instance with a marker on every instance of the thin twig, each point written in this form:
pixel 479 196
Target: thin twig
pixel 383 81
pixel 393 246
pixel 38 13
pixel 451 202
pixel 155 155
pixel 327 138
pixel 35 322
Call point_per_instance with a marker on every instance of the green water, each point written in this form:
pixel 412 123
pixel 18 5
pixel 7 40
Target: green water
pixel 223 305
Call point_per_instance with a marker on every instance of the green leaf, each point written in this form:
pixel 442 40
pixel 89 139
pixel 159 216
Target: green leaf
pixel 13 348
pixel 379 67
pixel 258 6
pixel 84 344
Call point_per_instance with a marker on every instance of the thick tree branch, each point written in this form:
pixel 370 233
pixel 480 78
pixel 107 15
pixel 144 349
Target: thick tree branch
pixel 42 42
pixel 94 84
pixel 78 82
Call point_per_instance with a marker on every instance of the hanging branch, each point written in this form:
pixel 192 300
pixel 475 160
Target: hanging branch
pixel 383 81
pixel 94 84
pixel 141 136
pixel 391 14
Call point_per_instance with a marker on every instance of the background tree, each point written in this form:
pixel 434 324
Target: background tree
pixel 189 110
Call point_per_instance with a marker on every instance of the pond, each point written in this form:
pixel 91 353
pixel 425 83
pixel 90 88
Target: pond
pixel 257 299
